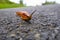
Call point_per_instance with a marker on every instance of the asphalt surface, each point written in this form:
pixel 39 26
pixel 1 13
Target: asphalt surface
pixel 44 25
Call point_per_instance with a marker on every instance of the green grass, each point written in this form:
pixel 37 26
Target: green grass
pixel 2 6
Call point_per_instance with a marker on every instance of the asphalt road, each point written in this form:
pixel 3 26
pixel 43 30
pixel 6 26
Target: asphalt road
pixel 45 23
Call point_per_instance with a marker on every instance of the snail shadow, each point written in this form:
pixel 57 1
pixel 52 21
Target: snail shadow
pixel 29 22
pixel 25 22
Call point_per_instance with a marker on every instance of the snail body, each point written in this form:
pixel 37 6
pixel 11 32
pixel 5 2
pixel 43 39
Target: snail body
pixel 25 15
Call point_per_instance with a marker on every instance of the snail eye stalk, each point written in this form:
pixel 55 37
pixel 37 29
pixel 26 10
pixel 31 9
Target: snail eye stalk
pixel 33 12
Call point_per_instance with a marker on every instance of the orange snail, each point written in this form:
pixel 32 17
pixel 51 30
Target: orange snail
pixel 25 15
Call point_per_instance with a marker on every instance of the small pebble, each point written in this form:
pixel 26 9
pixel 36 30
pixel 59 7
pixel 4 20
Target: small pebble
pixel 37 36
pixel 12 35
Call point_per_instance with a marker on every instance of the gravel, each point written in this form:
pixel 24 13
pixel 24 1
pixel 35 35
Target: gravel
pixel 44 25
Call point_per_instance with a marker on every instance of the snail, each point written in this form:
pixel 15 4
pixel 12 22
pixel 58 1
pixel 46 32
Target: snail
pixel 25 15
